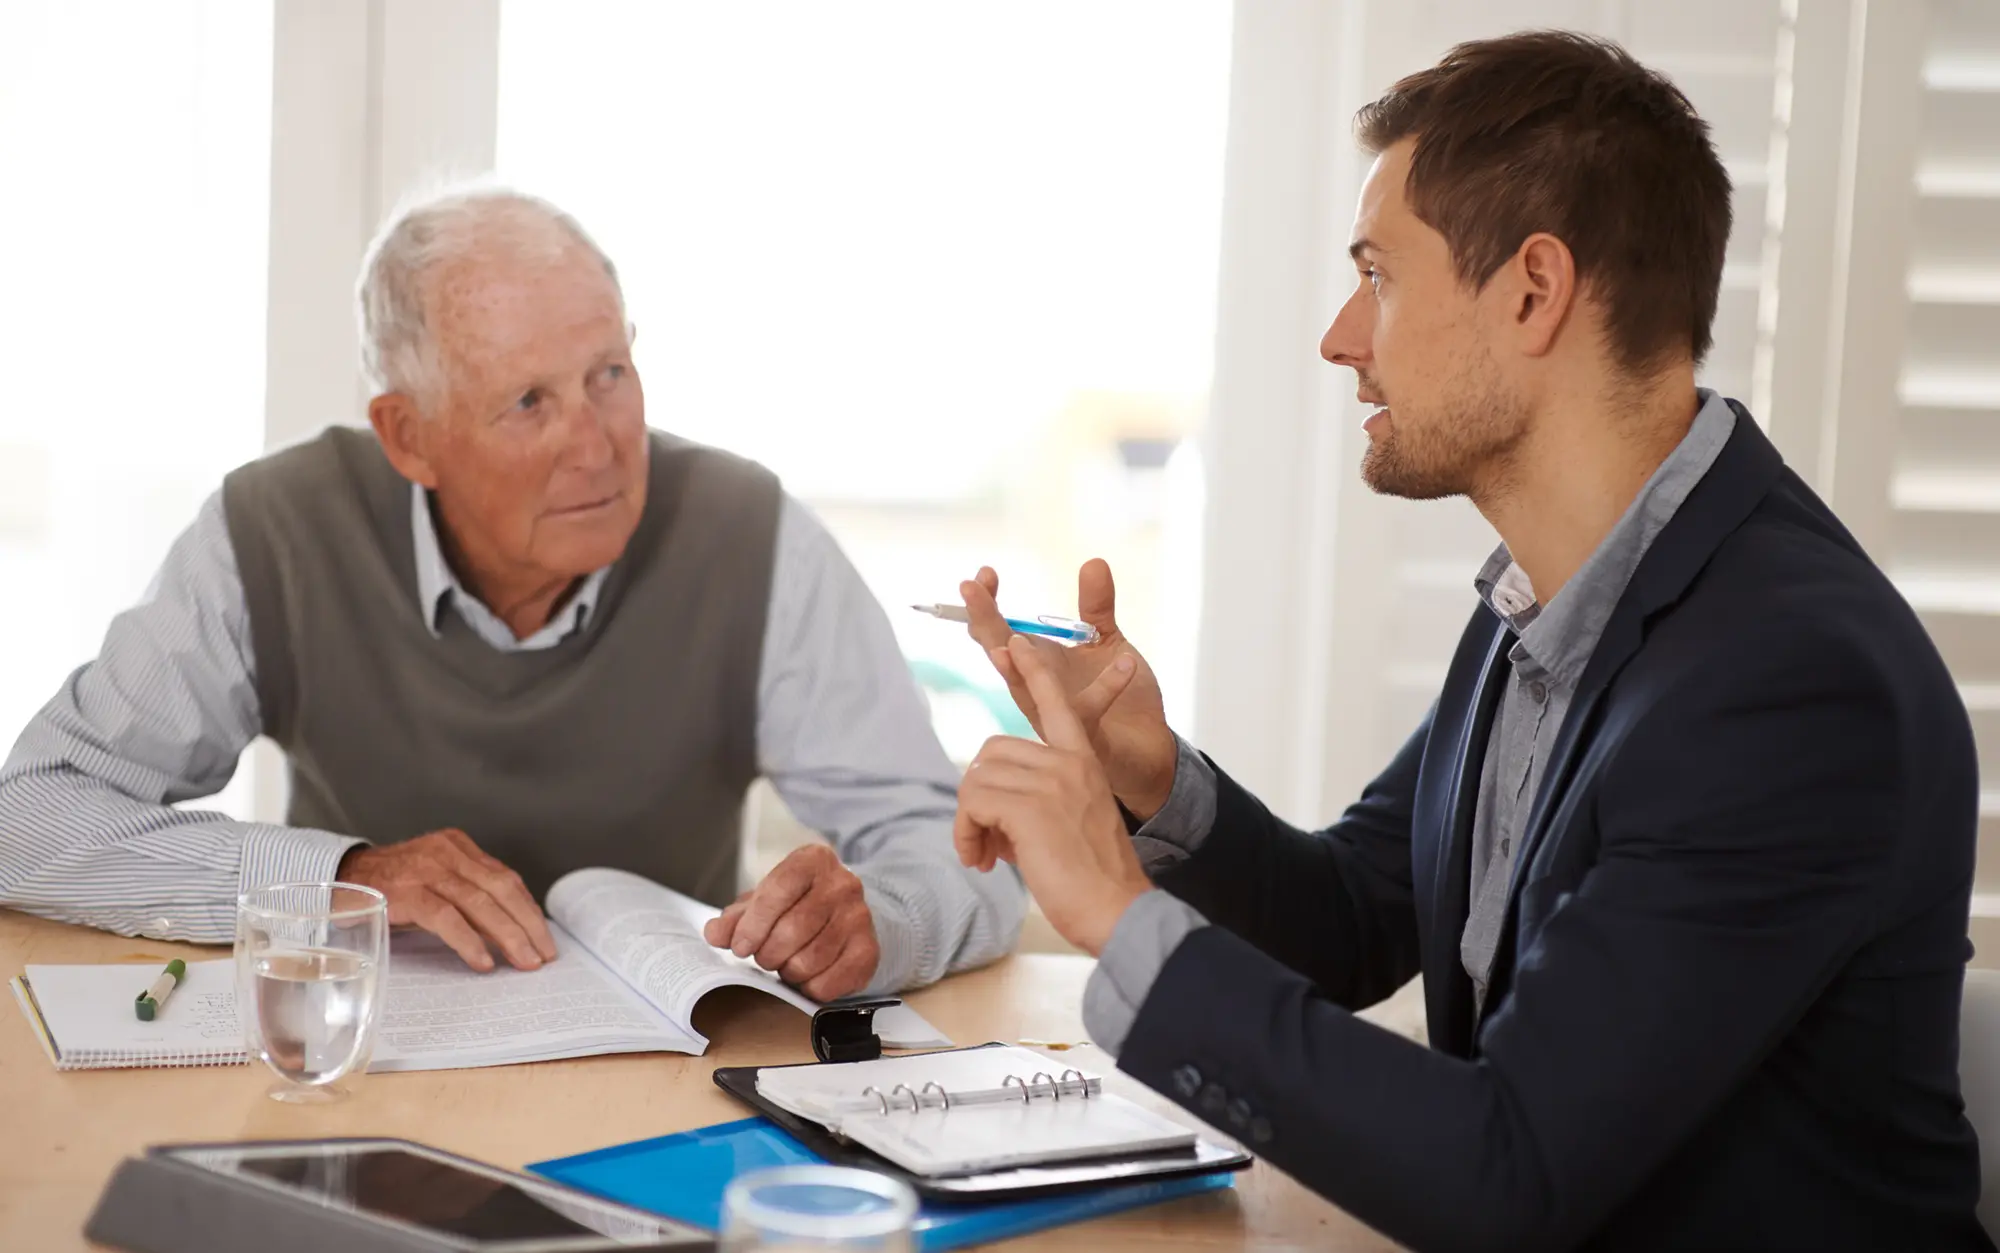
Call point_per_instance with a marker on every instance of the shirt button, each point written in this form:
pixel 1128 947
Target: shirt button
pixel 1213 1101
pixel 1187 1082
pixel 1538 692
pixel 1260 1131
pixel 1239 1113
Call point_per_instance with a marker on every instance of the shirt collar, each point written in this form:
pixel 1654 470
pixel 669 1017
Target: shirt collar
pixel 1559 638
pixel 438 585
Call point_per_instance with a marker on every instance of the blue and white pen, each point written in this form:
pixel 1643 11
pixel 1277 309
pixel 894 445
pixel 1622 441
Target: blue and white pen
pixel 1067 629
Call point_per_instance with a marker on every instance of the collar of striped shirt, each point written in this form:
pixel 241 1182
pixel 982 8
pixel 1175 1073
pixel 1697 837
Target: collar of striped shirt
pixel 438 585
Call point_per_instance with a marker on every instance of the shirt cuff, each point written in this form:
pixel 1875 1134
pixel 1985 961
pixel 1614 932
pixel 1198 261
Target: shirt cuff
pixel 901 951
pixel 1173 835
pixel 1147 934
pixel 273 854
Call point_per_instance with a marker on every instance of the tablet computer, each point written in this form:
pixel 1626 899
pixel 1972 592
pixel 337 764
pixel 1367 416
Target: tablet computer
pixel 365 1194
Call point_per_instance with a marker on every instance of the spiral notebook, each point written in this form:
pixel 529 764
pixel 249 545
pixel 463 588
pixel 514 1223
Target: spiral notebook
pixel 971 1111
pixel 83 1016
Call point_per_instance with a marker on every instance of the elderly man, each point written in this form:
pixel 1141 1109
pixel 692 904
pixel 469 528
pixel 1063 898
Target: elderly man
pixel 510 633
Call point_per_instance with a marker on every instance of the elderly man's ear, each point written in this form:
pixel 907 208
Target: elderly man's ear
pixel 405 438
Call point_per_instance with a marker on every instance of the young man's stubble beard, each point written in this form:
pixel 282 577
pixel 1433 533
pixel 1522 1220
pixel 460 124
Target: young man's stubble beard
pixel 1474 428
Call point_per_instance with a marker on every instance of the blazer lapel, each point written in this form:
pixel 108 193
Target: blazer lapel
pixel 1448 990
pixel 1743 474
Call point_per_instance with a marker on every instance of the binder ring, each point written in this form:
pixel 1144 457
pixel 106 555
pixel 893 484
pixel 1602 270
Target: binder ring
pixel 1054 1090
pixel 906 1090
pixel 1026 1096
pixel 1082 1081
pixel 872 1090
pixel 944 1097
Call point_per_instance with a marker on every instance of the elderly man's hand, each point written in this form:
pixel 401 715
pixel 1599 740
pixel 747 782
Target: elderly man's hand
pixel 1048 809
pixel 808 921
pixel 445 884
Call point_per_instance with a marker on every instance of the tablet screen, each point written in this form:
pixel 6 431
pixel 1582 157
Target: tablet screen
pixel 422 1191
pixel 469 1204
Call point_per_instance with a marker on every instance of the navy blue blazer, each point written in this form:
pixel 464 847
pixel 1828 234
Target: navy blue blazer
pixel 1725 1010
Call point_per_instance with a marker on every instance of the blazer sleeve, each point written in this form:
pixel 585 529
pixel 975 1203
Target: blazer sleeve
pixel 1334 906
pixel 1711 919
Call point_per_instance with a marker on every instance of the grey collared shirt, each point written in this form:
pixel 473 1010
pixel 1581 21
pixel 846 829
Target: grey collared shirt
pixel 1549 658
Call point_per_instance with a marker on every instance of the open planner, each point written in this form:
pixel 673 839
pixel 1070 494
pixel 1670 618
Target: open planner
pixel 631 966
pixel 996 1113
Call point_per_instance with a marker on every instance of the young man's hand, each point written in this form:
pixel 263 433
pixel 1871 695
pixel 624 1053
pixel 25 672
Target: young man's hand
pixel 1048 809
pixel 1111 690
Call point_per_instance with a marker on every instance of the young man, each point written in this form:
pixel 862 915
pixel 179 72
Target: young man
pixel 1684 849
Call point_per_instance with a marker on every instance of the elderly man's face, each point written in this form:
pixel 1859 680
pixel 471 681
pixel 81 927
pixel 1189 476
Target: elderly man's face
pixel 538 447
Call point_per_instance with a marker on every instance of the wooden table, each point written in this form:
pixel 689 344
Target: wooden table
pixel 61 1133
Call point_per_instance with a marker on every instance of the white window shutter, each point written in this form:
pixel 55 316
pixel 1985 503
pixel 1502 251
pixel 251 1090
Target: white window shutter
pixel 1944 539
pixel 1723 55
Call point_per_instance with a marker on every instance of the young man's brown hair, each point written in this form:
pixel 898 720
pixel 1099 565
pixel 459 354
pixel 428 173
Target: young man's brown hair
pixel 1558 132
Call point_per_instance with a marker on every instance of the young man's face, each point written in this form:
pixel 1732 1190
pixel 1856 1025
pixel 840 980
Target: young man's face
pixel 1420 341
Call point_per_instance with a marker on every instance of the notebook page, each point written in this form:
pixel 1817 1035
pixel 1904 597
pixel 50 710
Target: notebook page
pixel 826 1093
pixel 995 1137
pixel 88 1011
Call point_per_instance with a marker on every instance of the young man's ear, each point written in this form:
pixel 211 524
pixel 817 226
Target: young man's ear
pixel 1543 274
pixel 405 436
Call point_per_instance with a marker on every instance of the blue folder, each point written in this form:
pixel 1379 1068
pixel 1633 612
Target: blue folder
pixel 682 1176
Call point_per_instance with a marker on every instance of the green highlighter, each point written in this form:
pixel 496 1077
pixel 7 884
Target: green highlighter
pixel 149 1001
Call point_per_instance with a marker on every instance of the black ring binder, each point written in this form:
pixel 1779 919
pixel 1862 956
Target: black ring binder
pixel 1018 1183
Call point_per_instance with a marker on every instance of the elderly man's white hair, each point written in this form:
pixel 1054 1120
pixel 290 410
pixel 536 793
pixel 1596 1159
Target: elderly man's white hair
pixel 443 227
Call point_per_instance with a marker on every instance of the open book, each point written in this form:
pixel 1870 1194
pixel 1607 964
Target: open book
pixel 631 966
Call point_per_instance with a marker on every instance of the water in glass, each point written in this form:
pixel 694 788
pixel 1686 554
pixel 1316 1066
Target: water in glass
pixel 310 961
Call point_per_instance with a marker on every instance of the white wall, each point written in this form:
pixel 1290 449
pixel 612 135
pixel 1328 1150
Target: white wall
pixel 371 99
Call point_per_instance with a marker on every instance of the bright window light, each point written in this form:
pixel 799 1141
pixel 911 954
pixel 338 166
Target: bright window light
pixel 948 269
pixel 136 143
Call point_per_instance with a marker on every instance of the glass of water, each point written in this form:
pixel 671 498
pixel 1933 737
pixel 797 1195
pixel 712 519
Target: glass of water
pixel 816 1209
pixel 310 962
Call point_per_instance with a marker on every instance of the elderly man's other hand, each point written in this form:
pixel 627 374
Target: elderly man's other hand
pixel 445 884
pixel 808 921
pixel 1048 809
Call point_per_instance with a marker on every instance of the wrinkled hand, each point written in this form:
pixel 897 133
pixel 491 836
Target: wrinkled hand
pixel 1048 809
pixel 445 884
pixel 1110 688
pixel 808 921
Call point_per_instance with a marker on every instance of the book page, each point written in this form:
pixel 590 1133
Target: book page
pixel 651 936
pixel 438 1013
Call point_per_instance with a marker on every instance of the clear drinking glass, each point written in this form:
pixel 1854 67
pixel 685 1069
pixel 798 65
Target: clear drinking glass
pixel 813 1209
pixel 310 962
